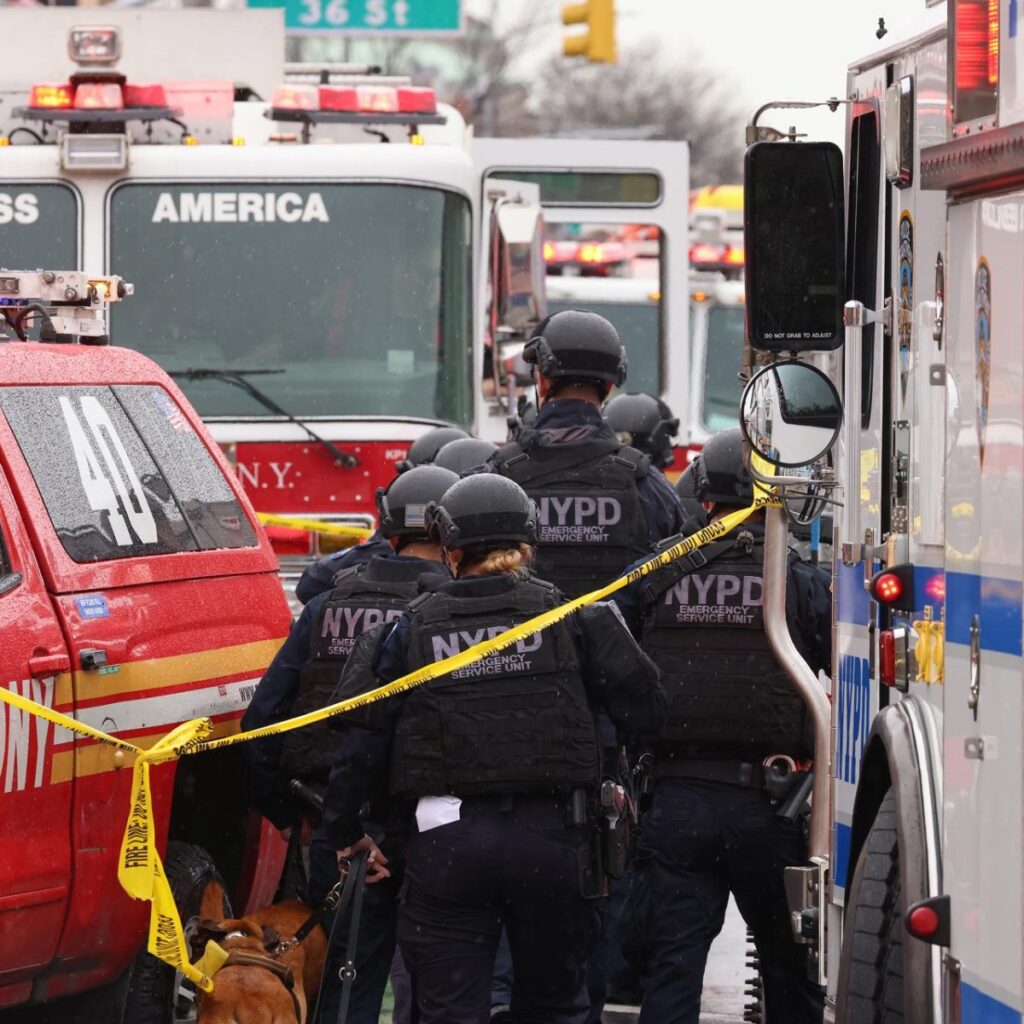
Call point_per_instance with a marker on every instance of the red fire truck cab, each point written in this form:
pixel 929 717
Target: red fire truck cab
pixel 137 591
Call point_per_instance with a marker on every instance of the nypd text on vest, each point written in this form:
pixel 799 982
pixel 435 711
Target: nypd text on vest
pixel 239 208
pixel 514 660
pixel 717 599
pixel 577 519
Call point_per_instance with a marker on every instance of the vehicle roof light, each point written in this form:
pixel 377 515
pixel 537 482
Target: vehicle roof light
pixel 94 44
pixel 416 100
pixel 378 99
pixel 145 96
pixel 734 255
pixel 338 97
pixel 296 97
pixel 700 296
pixel 50 97
pixel 549 251
pixel 705 252
pixel 98 96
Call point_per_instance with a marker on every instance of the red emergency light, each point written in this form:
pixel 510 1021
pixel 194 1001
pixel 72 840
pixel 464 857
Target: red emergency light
pixel 363 102
pixel 50 97
pixel 887 657
pixel 296 97
pixel 977 44
pixel 145 96
pixel 929 920
pixel 894 587
pixel 98 96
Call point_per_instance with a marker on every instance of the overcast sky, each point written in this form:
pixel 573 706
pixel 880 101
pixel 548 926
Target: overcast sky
pixel 770 49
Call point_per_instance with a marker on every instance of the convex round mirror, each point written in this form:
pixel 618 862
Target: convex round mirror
pixel 791 413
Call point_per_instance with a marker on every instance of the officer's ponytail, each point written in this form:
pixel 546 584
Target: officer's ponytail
pixel 516 560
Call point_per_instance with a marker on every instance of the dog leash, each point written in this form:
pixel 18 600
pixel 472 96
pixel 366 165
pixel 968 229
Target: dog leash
pixel 351 891
pixel 357 879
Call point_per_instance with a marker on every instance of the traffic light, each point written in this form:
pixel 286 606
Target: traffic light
pixel 597 44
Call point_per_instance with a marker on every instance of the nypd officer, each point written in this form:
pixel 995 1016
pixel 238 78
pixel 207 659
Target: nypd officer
pixel 602 504
pixel 737 744
pixel 502 760
pixel 317 579
pixel 646 423
pixel 304 676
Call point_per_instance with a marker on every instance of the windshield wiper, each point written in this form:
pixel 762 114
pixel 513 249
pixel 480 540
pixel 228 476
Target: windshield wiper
pixel 237 377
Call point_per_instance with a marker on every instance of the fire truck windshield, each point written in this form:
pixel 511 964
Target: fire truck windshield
pixel 359 293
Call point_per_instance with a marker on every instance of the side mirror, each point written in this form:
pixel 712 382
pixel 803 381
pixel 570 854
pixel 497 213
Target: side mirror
pixel 794 242
pixel 517 268
pixel 791 414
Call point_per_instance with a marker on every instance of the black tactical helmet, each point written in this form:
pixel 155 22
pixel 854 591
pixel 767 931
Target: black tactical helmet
pixel 464 454
pixel 720 472
pixel 686 485
pixel 646 423
pixel 425 448
pixel 402 505
pixel 483 509
pixel 575 343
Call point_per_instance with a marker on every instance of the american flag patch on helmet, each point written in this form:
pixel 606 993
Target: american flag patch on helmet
pixel 416 515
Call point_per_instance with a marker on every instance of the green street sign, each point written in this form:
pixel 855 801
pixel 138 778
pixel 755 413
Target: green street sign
pixel 371 17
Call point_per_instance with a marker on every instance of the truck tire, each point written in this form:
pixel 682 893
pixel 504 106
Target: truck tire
pixel 871 966
pixel 156 993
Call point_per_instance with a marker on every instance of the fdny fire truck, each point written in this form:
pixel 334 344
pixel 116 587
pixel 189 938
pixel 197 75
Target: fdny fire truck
pixel 137 591
pixel 899 273
pixel 326 265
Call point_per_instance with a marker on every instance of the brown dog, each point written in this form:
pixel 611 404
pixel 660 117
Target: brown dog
pixel 252 993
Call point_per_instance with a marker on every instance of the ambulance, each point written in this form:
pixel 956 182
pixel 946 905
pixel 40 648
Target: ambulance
pixel 137 591
pixel 897 275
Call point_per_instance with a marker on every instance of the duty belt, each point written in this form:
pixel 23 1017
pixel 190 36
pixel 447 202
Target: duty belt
pixel 747 774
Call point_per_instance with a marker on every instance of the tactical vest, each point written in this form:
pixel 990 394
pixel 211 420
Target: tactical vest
pixel 518 721
pixel 729 699
pixel 363 597
pixel 592 524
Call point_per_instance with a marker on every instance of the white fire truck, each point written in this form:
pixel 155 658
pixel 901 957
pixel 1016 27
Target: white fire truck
pixel 901 271
pixel 322 297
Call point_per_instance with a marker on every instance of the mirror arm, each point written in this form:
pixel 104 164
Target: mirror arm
pixel 776 573
pixel 758 134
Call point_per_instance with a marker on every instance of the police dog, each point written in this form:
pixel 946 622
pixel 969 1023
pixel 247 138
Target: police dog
pixel 253 992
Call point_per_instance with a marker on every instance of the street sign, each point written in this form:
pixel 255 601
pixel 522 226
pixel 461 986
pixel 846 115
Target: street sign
pixel 371 17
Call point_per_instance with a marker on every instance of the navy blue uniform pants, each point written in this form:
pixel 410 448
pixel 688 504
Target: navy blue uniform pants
pixel 699 842
pixel 376 944
pixel 501 864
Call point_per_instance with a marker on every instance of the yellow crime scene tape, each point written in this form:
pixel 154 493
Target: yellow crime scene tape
pixel 141 870
pixel 315 526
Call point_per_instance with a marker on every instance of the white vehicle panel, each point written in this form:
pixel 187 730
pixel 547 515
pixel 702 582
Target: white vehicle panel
pixel 670 162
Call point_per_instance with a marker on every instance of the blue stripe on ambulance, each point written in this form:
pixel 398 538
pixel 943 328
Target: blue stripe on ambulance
pixel 976 1007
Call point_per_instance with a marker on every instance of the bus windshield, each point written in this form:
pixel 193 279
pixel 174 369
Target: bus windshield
pixel 722 387
pixel 356 296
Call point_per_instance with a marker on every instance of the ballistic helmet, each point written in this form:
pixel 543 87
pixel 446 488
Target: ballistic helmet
pixel 577 344
pixel 483 509
pixel 720 471
pixel 464 454
pixel 403 503
pixel 645 423
pixel 424 449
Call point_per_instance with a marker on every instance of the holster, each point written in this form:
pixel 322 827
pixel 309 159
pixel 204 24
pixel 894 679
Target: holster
pixel 618 833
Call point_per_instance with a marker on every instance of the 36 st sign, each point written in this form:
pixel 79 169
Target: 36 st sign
pixel 371 17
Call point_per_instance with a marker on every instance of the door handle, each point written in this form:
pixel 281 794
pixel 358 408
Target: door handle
pixel 40 665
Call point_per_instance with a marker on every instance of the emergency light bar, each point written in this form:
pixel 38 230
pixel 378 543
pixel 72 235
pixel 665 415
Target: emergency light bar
pixel 68 302
pixel 374 104
pixel 103 97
